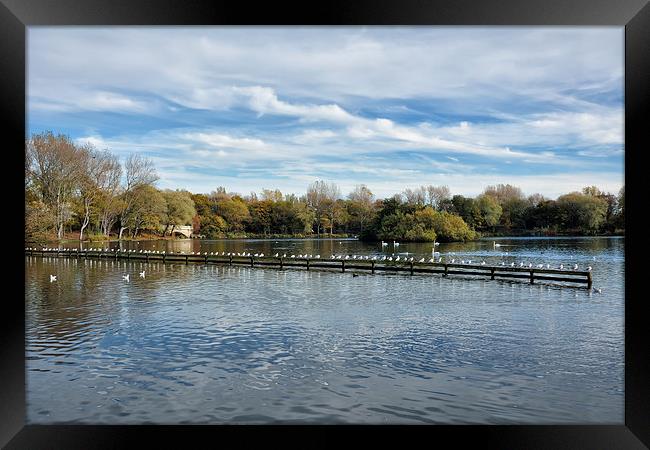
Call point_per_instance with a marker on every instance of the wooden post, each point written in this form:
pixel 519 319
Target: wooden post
pixel 206 257
pixel 187 258
pixel 373 267
pixel 281 264
pixel 589 280
pixel 343 266
pixel 307 264
pixel 446 271
pixel 492 273
pixel 411 267
pixel 252 263
pixel 532 277
pixel 147 256
pixel 230 260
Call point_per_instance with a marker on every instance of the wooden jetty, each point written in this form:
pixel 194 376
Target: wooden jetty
pixel 410 267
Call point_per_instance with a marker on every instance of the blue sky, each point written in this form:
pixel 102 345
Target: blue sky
pixel 249 108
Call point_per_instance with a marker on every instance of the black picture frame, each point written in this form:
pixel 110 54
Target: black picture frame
pixel 16 15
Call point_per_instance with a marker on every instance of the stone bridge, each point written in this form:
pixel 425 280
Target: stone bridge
pixel 185 230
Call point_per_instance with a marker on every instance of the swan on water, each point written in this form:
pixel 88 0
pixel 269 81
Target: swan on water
pixel 494 243
pixel 598 290
pixel 384 244
pixel 52 278
pixel 126 277
pixel 395 244
pixel 142 274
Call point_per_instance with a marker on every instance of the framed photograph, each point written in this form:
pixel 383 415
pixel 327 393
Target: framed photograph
pixel 380 214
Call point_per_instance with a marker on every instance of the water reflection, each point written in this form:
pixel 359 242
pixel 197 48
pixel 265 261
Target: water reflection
pixel 233 344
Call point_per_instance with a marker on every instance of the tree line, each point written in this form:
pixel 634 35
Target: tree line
pixel 72 188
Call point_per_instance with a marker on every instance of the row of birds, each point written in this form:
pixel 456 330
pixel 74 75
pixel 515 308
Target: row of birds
pixel 342 257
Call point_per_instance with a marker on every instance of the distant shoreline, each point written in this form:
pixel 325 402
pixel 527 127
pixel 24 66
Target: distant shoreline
pixel 314 238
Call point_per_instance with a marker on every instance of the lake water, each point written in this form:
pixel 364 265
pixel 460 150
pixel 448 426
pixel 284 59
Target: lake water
pixel 219 344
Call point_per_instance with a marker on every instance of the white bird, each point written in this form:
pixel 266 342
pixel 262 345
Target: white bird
pixel 530 265
pixel 142 274
pixel 494 243
pixel 599 290
pixel 469 262
pixel 453 261
pixel 354 257
pixel 317 256
pixel 390 258
pixel 539 266
pixel 256 255
pixel 588 268
pixel 483 263
pixel 383 258
pixel 395 244
pixel 502 263
pixel 383 244
pixel 276 255
pixel 462 261
pixel 293 256
pixel 52 278
pixel 126 277
pixel 521 264
pixel 374 258
pixel 397 259
pixel 575 267
pixel 561 266
pixel 512 264
pixel 548 266
pixel 347 256
pixel 421 260
pixel 431 260
pixel 284 256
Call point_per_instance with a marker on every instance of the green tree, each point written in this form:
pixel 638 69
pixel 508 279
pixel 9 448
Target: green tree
pixel 179 209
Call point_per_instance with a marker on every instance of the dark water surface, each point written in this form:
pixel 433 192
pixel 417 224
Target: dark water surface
pixel 220 344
